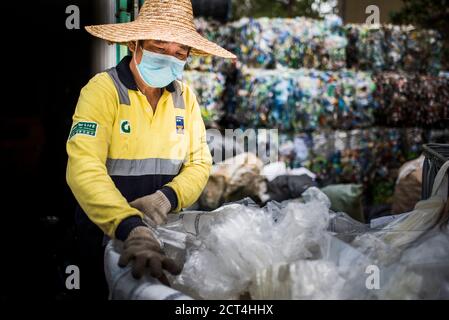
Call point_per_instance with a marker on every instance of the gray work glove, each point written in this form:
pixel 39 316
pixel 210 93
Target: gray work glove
pixel 142 248
pixel 155 207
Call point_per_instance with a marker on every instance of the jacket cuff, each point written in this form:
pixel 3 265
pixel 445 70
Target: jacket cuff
pixel 171 196
pixel 127 225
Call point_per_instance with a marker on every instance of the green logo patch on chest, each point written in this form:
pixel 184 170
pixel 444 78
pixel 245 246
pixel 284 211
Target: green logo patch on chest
pixel 84 128
pixel 125 127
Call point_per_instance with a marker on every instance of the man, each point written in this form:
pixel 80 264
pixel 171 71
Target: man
pixel 137 147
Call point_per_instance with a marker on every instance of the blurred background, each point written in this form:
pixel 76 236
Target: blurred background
pixel 325 45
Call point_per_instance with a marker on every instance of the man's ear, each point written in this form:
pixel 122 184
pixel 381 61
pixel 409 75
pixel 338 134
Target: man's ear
pixel 132 46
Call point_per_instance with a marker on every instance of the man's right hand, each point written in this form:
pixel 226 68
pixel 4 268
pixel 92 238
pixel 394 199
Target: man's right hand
pixel 142 248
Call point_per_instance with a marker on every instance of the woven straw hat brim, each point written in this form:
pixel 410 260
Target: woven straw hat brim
pixel 136 30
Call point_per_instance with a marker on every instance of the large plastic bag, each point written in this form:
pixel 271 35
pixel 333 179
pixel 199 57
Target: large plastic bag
pixel 412 251
pixel 233 247
pixel 123 286
pixel 413 262
pixel 421 271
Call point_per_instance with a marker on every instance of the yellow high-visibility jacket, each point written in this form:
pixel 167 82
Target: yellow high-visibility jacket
pixel 119 150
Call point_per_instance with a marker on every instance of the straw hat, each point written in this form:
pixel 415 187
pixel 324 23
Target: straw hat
pixel 165 20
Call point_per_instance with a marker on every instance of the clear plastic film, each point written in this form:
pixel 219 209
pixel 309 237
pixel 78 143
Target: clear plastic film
pixel 233 247
pixel 338 273
pixel 295 250
pixel 422 272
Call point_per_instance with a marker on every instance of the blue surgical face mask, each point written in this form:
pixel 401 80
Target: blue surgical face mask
pixel 159 70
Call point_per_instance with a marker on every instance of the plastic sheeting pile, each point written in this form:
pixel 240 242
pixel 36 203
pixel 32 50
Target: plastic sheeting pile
pixel 391 47
pixel 209 88
pixel 290 251
pixel 305 99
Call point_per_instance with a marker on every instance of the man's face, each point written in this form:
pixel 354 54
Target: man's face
pixel 174 49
